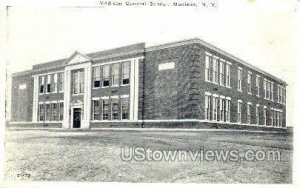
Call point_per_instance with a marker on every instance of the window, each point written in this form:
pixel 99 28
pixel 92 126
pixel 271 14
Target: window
pixel 249 113
pixel 54 85
pixel 215 108
pixel 268 90
pixel 271 90
pixel 222 73
pixel 265 88
pixel 54 112
pixel 81 82
pixel 115 109
pixel 125 108
pixel 78 81
pixel 257 85
pixel 41 112
pixel 60 82
pixel 105 73
pixel 240 79
pixel 228 75
pixel 215 70
pixel 239 116
pixel 222 109
pixel 283 95
pixel 249 82
pixel 48 112
pixel 257 114
pixel 48 88
pixel 227 111
pixel 125 72
pixel 115 74
pixel 105 109
pixel 96 110
pixel 280 119
pixel 207 107
pixel 41 83
pixel 61 111
pixel 96 77
pixel 273 117
pixel 208 68
pixel 265 116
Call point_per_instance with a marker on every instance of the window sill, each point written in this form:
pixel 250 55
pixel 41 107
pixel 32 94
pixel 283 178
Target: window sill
pixel 125 84
pixel 77 94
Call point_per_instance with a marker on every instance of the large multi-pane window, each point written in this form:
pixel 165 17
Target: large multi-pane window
pixel 249 113
pixel 105 109
pixel 207 107
pixel 60 82
pixel 115 74
pixel 217 108
pixel 54 112
pixel 78 81
pixel 239 110
pixel 125 72
pixel 228 75
pixel 208 68
pixel 96 110
pixel 51 111
pixel 105 73
pixel 96 77
pixel 41 112
pixel 125 108
pixel 48 112
pixel 222 73
pixel 114 109
pixel 215 70
pixel 249 78
pixel 61 111
pixel 240 79
pixel 48 86
pixel 257 85
pixel 41 84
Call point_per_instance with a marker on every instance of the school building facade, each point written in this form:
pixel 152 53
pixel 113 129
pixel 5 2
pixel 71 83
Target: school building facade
pixel 168 85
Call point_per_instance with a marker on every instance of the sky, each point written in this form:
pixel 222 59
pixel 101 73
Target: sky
pixel 260 34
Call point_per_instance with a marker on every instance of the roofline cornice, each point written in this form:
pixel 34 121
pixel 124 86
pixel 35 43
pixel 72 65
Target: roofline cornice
pixel 214 48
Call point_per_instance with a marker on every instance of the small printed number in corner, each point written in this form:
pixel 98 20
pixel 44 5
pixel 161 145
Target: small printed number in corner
pixel 23 175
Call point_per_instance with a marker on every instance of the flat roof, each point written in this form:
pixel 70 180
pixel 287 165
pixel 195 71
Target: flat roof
pixel 216 49
pixel 141 46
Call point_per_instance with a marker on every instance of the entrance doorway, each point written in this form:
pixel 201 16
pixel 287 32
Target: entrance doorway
pixel 76 117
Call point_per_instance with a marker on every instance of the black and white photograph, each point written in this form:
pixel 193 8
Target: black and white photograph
pixel 177 93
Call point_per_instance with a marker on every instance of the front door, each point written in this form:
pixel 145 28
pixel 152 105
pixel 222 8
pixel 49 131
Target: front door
pixel 76 117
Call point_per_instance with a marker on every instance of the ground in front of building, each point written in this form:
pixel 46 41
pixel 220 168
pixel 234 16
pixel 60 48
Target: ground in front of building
pixel 57 155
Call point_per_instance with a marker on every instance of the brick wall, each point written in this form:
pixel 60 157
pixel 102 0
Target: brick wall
pixel 22 98
pixel 172 93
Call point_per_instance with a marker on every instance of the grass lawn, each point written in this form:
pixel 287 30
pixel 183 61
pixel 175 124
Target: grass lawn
pixel 49 155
